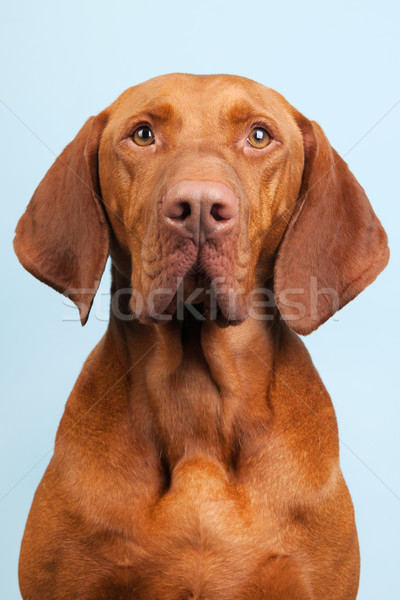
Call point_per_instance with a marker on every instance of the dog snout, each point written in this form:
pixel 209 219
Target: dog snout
pixel 200 210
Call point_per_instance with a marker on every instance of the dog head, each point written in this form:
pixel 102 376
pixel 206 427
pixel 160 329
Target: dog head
pixel 207 189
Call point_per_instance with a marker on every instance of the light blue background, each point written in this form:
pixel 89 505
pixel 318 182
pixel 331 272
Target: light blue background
pixel 336 62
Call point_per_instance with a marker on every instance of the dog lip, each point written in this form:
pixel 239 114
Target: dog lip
pixel 196 286
pixel 198 275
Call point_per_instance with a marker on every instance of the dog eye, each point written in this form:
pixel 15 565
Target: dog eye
pixel 143 136
pixel 259 138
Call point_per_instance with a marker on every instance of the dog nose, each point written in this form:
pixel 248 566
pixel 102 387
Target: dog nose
pixel 200 210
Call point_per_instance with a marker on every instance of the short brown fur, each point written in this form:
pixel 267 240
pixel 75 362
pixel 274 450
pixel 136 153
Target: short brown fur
pixel 195 461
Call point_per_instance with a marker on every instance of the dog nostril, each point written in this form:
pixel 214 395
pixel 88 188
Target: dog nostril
pixel 185 206
pixel 181 211
pixel 178 211
pixel 217 212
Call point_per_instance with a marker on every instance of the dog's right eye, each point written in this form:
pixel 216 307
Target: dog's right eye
pixel 143 136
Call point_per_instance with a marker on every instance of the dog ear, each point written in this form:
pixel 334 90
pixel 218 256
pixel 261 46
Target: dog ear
pixel 63 238
pixel 334 245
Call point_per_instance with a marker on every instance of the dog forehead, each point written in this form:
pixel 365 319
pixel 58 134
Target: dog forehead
pixel 202 96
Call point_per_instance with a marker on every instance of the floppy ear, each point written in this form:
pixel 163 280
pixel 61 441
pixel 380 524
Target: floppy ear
pixel 62 238
pixel 334 245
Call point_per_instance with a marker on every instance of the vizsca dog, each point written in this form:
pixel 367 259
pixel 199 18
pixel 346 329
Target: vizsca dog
pixel 197 460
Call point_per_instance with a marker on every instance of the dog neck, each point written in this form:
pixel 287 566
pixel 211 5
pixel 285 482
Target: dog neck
pixel 197 379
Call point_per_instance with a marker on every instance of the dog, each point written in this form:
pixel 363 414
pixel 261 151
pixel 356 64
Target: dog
pixel 198 454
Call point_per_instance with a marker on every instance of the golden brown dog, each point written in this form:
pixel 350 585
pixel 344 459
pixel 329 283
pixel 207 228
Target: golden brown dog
pixel 197 460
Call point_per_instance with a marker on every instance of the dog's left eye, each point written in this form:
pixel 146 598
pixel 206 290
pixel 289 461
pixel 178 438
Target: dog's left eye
pixel 143 136
pixel 259 138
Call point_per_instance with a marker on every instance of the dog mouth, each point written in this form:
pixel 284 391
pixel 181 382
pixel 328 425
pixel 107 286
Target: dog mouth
pixel 196 296
pixel 211 293
pixel 196 285
pixel 178 273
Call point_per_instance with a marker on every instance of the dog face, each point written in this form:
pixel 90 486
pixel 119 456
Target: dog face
pixel 196 202
pixel 204 187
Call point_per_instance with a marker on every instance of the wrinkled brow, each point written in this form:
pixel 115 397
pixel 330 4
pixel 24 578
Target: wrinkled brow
pixel 240 112
pixel 158 111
